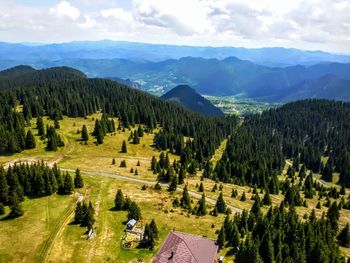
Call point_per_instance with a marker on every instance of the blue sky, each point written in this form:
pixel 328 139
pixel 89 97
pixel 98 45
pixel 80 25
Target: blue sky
pixel 304 24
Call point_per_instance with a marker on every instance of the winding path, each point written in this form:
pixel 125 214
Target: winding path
pixel 125 178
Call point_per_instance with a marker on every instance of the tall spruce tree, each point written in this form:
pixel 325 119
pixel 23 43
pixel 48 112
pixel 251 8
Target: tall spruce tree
pixel 78 180
pixel 84 134
pixel 119 200
pixel 185 201
pixel 220 204
pixel 202 207
pixel 30 140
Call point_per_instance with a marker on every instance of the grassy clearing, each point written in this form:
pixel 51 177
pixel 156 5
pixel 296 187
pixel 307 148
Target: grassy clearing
pixel 22 239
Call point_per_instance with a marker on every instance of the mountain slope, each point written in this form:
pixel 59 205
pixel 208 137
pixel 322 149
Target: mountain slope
pixel 26 75
pixel 190 99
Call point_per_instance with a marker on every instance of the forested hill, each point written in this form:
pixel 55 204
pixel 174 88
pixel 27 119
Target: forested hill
pixel 304 131
pixel 79 97
pixel 190 99
pixel 26 75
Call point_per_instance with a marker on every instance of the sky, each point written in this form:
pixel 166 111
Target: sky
pixel 304 24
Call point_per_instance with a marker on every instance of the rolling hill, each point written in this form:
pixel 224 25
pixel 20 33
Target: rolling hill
pixel 189 98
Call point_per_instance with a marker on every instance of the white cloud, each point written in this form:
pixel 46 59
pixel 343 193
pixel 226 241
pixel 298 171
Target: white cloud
pixel 117 13
pixel 65 9
pixel 308 24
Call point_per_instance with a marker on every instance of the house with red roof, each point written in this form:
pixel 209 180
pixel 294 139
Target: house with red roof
pixel 184 248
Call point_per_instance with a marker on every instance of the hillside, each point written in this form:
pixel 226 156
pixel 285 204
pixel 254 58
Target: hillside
pixel 226 77
pixel 26 76
pixel 189 98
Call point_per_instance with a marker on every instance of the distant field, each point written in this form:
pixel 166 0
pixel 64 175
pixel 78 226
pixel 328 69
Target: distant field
pixel 45 230
pixel 239 104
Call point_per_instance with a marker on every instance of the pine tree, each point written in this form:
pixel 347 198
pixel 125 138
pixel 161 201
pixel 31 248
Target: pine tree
pixel 134 211
pixel 344 236
pixel 16 208
pixel 124 149
pixel 4 188
pixel 202 207
pixel 78 180
pixel 266 249
pixel 119 201
pixel 113 161
pixel 68 184
pixel 234 238
pixel 266 199
pixel 136 138
pixel 221 238
pixel 30 140
pixel 89 217
pixel 173 184
pixel 333 215
pixel 40 126
pixel 181 176
pixel 84 134
pixel 308 186
pixel 220 204
pixel 243 197
pixel 154 229
pixel 79 213
pixel 201 187
pixel 215 211
pixel 185 201
pixel 56 123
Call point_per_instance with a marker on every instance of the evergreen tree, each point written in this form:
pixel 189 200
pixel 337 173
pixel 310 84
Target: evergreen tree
pixel 243 197
pixel 220 204
pixel 267 249
pixel 84 134
pixel 202 207
pixel 79 213
pixel 30 140
pixel 154 229
pixel 56 123
pixel 136 138
pixel 124 149
pixel 221 238
pixel 266 199
pixel 201 187
pixel 16 208
pixel 173 184
pixel 134 212
pixel 119 201
pixel 333 216
pixel 185 201
pixel 78 180
pixel 344 236
pixel 68 184
pixel 4 188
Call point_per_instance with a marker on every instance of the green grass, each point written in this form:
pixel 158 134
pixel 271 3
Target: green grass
pixel 45 224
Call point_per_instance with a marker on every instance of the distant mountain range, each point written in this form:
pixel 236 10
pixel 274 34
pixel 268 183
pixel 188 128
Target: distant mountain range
pixel 189 98
pixel 141 66
pixel 10 53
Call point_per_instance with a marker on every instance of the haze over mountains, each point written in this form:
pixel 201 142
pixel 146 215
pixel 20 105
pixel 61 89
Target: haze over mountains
pixel 266 74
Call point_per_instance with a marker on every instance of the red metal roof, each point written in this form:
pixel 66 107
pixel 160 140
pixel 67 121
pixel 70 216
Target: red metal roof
pixel 184 248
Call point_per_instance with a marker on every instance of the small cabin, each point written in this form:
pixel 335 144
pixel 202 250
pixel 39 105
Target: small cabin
pixel 131 223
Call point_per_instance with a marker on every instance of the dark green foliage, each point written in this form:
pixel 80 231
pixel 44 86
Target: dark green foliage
pixel 185 201
pixel 266 199
pixel 136 138
pixel 201 187
pixel 134 212
pixel 154 229
pixel 344 236
pixel 220 204
pixel 4 188
pixel 56 124
pixel 221 238
pixel 119 200
pixel 84 134
pixel 53 139
pixel 16 208
pixel 308 186
pixel 102 127
pixel 280 236
pixel 302 131
pixel 2 209
pixel 234 193
pixel 78 180
pixel 84 215
pixel 157 186
pixel 122 163
pixel 243 197
pixel 202 207
pixel 30 140
pixel 68 186
pixel 173 184
pixel 333 215
pixel 150 235
pixel 124 149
